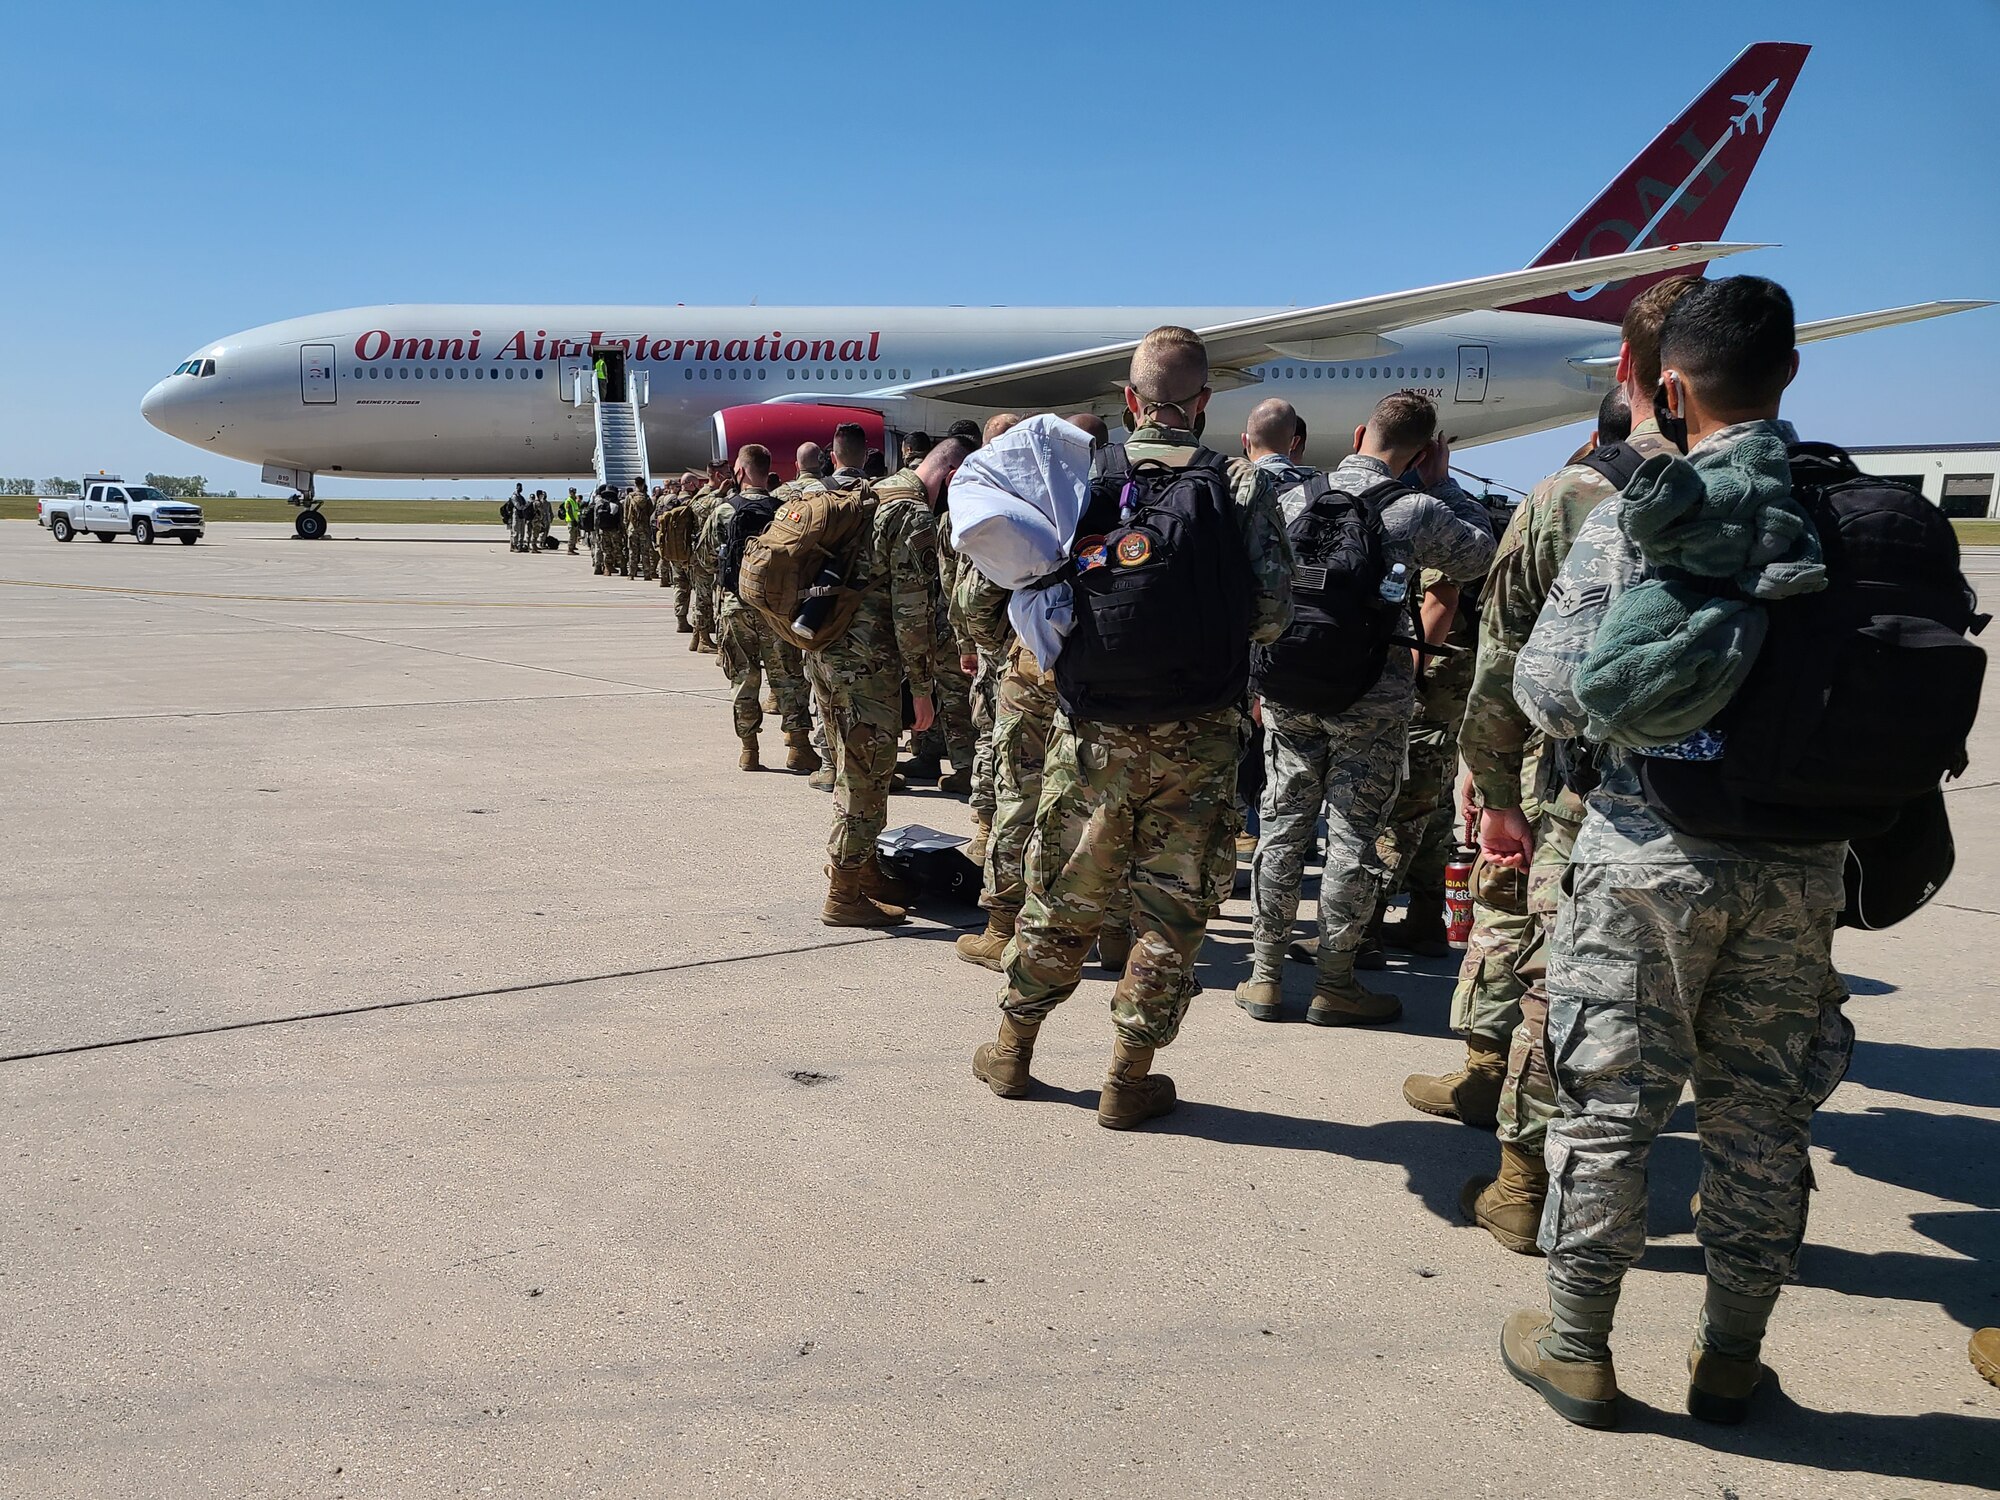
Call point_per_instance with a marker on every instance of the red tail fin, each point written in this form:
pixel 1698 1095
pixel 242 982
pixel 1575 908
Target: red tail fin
pixel 1682 187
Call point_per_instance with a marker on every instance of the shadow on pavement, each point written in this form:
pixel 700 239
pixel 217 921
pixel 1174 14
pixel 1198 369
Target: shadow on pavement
pixel 1949 1075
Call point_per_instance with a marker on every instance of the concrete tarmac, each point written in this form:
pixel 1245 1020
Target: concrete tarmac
pixel 425 1074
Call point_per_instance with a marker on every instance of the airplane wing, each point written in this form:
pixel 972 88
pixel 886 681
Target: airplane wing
pixel 1086 375
pixel 1888 317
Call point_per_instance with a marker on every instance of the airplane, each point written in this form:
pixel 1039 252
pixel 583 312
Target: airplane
pixel 459 392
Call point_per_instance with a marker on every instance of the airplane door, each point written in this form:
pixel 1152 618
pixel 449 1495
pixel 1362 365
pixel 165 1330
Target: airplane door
pixel 1471 373
pixel 316 374
pixel 567 371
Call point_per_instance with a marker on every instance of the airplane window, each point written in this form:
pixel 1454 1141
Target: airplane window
pixel 538 373
pixel 403 374
pixel 208 367
pixel 934 374
pixel 1371 372
pixel 687 374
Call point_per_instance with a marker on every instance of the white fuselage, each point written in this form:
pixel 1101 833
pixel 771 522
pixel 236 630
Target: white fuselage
pixel 461 392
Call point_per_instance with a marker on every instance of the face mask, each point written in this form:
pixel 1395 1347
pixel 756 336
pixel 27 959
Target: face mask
pixel 1674 429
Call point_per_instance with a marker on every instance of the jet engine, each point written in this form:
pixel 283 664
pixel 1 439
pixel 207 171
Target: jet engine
pixel 782 426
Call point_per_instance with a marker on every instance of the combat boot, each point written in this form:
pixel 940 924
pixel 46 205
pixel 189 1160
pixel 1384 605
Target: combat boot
pixel 958 783
pixel 749 760
pixel 1002 1064
pixel 681 626
pixel 1985 1353
pixel 985 948
pixel 1583 1390
pixel 921 767
pixel 1422 930
pixel 847 906
pixel 877 884
pixel 1133 1093
pixel 1339 999
pixel 704 642
pixel 695 644
pixel 1720 1388
pixel 799 752
pixel 822 779
pixel 1472 1094
pixel 1509 1207
pixel 1261 999
pixel 982 837
pixel 1114 946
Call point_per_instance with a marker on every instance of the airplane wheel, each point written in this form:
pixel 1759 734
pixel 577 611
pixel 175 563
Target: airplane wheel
pixel 59 528
pixel 105 536
pixel 310 525
pixel 142 532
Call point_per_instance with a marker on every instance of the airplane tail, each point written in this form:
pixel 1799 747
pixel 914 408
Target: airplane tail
pixel 1682 187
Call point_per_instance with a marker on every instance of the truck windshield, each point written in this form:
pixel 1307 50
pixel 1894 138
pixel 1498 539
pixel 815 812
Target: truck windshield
pixel 146 493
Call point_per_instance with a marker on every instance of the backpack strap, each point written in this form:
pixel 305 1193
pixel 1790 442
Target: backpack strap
pixel 1617 462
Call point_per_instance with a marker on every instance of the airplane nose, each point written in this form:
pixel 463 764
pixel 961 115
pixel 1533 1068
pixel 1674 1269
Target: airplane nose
pixel 168 406
pixel 155 406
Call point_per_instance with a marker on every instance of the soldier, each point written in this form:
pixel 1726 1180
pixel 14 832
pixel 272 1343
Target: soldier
pixel 1501 1003
pixel 858 677
pixel 1352 762
pixel 747 647
pixel 701 571
pixel 1677 957
pixel 517 521
pixel 545 517
pixel 572 514
pixel 639 556
pixel 810 462
pixel 1273 440
pixel 1145 801
pixel 681 516
pixel 609 519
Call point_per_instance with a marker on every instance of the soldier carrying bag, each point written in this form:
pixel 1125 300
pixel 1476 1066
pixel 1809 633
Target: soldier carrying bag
pixel 798 572
pixel 676 529
pixel 749 516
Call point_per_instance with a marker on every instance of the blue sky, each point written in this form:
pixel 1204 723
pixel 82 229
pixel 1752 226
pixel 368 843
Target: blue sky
pixel 245 163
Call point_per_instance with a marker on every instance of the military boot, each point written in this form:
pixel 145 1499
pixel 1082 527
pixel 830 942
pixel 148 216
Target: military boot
pixel 704 642
pixel 822 779
pixel 1720 1388
pixel 877 884
pixel 921 766
pixel 1339 999
pixel 1584 1391
pixel 982 837
pixel 681 626
pixel 1261 999
pixel 695 644
pixel 1422 929
pixel 749 760
pixel 847 905
pixel 799 752
pixel 985 948
pixel 1133 1093
pixel 1509 1207
pixel 1472 1094
pixel 1985 1353
pixel 1002 1064
pixel 1114 946
pixel 957 783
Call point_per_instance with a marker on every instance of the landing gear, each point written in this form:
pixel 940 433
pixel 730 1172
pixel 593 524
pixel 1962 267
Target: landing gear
pixel 310 524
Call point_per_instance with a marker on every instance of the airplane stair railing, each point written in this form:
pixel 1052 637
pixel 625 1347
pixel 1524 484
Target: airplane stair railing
pixel 621 443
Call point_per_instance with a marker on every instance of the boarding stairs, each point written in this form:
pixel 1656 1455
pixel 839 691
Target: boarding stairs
pixel 621 436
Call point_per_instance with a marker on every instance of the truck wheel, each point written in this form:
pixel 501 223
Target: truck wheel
pixel 142 531
pixel 105 536
pixel 310 525
pixel 59 528
pixel 188 538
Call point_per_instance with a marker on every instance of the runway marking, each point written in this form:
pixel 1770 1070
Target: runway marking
pixel 106 588
pixel 336 1012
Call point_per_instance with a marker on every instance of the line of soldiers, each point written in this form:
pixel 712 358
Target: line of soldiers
pixel 528 519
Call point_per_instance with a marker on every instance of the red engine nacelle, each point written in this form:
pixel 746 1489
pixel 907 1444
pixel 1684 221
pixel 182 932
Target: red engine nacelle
pixel 781 427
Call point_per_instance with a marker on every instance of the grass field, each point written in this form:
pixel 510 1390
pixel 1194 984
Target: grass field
pixel 372 512
pixel 1977 533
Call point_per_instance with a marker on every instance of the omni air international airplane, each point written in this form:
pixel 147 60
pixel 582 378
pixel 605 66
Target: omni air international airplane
pixel 452 392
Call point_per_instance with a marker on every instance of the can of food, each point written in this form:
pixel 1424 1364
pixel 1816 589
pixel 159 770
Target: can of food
pixel 1458 895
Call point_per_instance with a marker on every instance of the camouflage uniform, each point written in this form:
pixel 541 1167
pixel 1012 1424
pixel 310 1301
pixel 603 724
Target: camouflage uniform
pixel 641 561
pixel 992 640
pixel 1501 994
pixel 748 648
pixel 518 513
pixel 858 679
pixel 1411 849
pixel 1675 958
pixel 806 484
pixel 1151 806
pixel 951 735
pixel 701 572
pixel 1350 763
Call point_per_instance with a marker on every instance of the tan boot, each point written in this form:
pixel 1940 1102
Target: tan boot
pixel 1114 947
pixel 702 642
pixel 749 760
pixel 1339 999
pixel 1985 1352
pixel 1002 1064
pixel 1261 999
pixel 879 885
pixel 847 906
pixel 985 948
pixel 1509 1207
pixel 982 837
pixel 822 779
pixel 1720 1388
pixel 1472 1094
pixel 694 642
pixel 799 752
pixel 1133 1093
pixel 1584 1391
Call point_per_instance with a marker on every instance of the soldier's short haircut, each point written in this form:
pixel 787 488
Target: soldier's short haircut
pixel 965 428
pixel 1614 416
pixel 915 446
pixel 692 481
pixel 1091 423
pixel 1734 340
pixel 1273 423
pixel 946 454
pixel 997 424
pixel 850 445
pixel 1403 420
pixel 811 459
pixel 755 458
pixel 1170 368
pixel 1643 320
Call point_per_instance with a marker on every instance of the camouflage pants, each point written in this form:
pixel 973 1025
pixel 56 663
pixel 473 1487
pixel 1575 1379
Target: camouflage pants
pixel 612 558
pixel 1412 849
pixel 573 534
pixel 985 713
pixel 863 714
pixel 642 563
pixel 1350 764
pixel 701 608
pixel 749 654
pixel 1149 806
pixel 1715 970
pixel 1528 1096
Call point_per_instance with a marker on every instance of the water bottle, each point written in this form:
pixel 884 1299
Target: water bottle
pixel 813 613
pixel 1396 586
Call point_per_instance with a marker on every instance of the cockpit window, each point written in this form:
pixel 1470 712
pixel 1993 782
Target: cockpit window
pixel 207 367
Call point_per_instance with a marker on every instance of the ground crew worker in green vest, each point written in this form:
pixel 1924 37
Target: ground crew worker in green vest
pixel 572 513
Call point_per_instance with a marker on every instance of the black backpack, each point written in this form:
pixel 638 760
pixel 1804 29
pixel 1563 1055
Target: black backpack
pixel 610 515
pixel 748 516
pixel 1617 462
pixel 1163 594
pixel 1862 696
pixel 1338 642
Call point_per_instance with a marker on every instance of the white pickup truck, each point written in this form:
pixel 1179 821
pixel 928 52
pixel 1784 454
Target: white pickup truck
pixel 108 508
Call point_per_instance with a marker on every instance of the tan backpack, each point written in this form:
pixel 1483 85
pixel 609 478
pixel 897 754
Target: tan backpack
pixel 797 573
pixel 676 527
